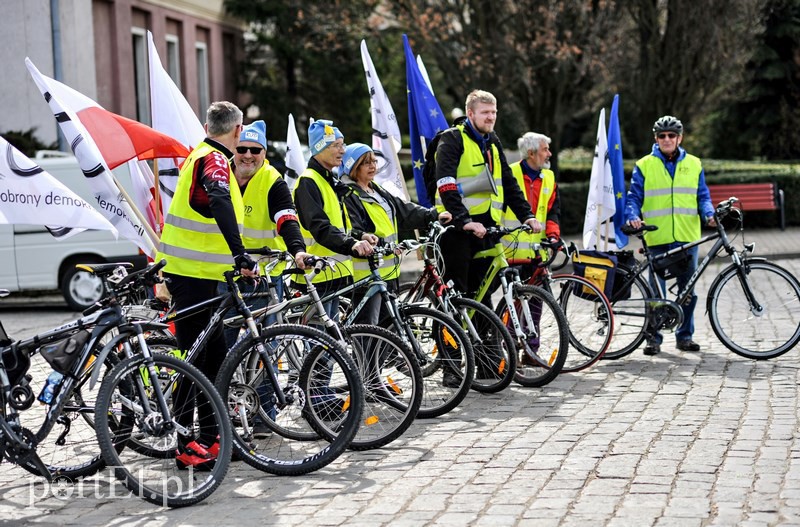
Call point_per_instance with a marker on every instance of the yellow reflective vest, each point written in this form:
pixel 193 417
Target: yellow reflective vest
pixel 472 165
pixel 521 245
pixel 333 210
pixel 260 230
pixel 385 229
pixel 671 203
pixel 192 244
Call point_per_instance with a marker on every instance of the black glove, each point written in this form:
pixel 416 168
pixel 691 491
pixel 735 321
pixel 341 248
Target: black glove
pixel 244 261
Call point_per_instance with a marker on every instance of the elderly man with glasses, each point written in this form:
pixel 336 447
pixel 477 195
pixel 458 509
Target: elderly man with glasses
pixel 668 189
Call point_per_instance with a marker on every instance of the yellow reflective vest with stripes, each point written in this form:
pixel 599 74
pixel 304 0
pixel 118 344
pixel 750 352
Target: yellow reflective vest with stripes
pixel 192 244
pixel 473 165
pixel 333 210
pixel 385 229
pixel 671 203
pixel 260 230
pixel 521 245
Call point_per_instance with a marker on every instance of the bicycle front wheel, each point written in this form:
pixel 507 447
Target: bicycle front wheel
pixel 323 392
pixel 495 357
pixel 766 326
pixel 196 420
pixel 545 341
pixel 392 384
pixel 590 319
pixel 445 356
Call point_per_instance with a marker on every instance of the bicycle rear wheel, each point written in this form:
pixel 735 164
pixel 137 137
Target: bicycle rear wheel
pixel 631 313
pixel 392 384
pixel 589 318
pixel 445 356
pixel 163 481
pixel 543 348
pixel 757 331
pixel 495 357
pixel 324 400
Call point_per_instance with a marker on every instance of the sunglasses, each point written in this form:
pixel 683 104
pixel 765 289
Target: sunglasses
pixel 255 150
pixel 671 135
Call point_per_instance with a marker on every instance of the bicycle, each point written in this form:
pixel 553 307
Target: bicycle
pixel 393 379
pixel 753 305
pixel 439 346
pixel 542 344
pixel 122 404
pixel 495 359
pixel 299 401
pixel 590 318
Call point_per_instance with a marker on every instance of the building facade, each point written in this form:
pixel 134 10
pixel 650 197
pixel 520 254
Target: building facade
pixel 99 48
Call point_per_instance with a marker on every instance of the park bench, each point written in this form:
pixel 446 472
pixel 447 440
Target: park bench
pixel 752 196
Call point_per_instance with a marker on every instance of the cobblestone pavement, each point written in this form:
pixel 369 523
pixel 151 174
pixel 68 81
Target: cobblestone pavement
pixel 684 439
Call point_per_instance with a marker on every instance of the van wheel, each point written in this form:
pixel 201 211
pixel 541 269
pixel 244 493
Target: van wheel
pixel 80 288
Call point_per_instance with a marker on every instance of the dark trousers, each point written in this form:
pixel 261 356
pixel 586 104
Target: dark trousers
pixel 187 292
pixel 458 249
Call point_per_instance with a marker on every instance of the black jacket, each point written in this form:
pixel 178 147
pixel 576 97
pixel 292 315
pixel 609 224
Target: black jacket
pixel 311 212
pixel 409 215
pixel 448 156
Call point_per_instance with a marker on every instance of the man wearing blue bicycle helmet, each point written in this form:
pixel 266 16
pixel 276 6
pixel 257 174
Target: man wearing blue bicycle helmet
pixel 668 189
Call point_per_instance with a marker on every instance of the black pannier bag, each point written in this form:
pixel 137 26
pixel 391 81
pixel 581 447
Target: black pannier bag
pixel 672 266
pixel 622 284
pixel 597 267
pixel 62 355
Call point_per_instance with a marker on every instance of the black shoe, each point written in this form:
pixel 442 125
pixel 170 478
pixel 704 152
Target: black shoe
pixel 451 380
pixel 688 345
pixel 652 349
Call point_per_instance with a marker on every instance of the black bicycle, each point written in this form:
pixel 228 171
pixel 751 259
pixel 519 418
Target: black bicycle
pixel 753 305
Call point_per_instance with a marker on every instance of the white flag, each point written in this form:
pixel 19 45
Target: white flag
pixel 294 159
pixel 424 72
pixel 172 115
pixel 110 196
pixel 29 195
pixel 143 183
pixel 386 140
pixel 600 204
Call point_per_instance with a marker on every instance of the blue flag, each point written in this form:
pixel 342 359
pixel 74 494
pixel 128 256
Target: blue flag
pixel 617 173
pixel 425 119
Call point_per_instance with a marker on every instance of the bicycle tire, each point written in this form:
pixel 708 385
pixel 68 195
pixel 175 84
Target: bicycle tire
pixel 447 358
pixel 631 315
pixel 294 441
pixel 542 359
pixel 495 357
pixel 158 480
pixel 393 384
pixel 763 335
pixel 590 319
pixel 73 451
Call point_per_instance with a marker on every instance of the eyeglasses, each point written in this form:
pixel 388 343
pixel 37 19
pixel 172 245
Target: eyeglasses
pixel 369 162
pixel 338 146
pixel 671 135
pixel 255 150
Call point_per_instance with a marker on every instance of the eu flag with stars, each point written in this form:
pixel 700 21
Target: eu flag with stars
pixel 617 173
pixel 425 119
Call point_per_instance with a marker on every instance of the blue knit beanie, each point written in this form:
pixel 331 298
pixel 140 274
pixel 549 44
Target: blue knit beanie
pixel 255 132
pixel 352 154
pixel 322 133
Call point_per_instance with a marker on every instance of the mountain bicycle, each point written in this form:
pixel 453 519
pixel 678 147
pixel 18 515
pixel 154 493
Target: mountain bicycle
pixel 494 348
pixel 753 304
pixel 123 402
pixel 532 315
pixel 393 384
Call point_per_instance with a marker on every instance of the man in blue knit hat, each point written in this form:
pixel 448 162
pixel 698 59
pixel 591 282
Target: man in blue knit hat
pixel 319 197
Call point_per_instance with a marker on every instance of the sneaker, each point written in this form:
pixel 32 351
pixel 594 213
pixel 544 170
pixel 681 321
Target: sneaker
pixel 652 349
pixel 196 456
pixel 688 345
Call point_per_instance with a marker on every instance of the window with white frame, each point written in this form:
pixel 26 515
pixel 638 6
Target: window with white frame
pixel 174 59
pixel 203 91
pixel 140 73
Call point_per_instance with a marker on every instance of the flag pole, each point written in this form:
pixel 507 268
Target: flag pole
pixel 154 238
pixel 157 197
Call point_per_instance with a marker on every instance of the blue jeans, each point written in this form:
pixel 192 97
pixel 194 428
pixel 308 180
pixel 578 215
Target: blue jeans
pixel 686 330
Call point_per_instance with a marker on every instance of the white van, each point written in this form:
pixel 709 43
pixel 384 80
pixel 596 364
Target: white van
pixel 34 260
